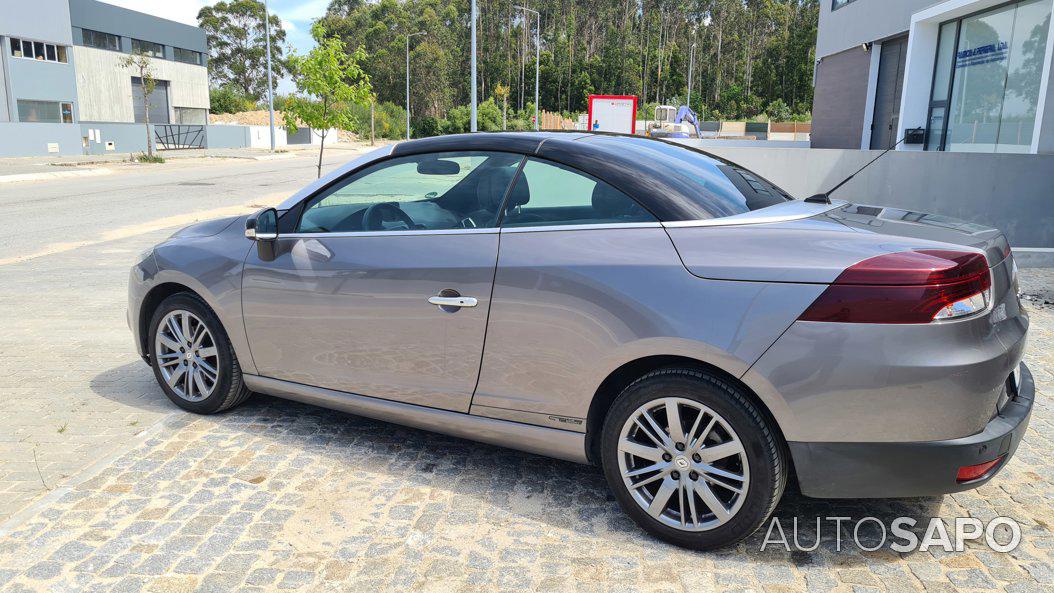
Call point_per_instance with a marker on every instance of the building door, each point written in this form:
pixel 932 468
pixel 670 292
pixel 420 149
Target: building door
pixel 158 102
pixel 888 93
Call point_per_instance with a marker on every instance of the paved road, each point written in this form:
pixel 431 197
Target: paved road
pixel 134 196
pixel 71 390
pixel 105 486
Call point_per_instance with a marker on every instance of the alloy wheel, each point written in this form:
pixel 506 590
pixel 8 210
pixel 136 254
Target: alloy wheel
pixel 683 464
pixel 187 356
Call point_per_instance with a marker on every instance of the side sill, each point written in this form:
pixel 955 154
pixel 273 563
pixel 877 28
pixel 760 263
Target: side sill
pixel 550 442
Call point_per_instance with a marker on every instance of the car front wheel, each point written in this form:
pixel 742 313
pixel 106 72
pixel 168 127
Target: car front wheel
pixel 192 357
pixel 691 458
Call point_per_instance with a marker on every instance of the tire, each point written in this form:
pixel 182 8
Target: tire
pixel 705 403
pixel 171 355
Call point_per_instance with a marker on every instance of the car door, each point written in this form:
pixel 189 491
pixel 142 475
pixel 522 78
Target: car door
pixel 383 288
pixel 579 263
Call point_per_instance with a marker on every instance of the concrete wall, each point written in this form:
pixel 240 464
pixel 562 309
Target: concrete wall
pixel 1010 192
pixel 89 14
pixel 104 87
pixel 126 137
pixel 227 136
pixel 863 21
pixel 5 110
pixel 39 20
pixel 841 98
pixel 31 139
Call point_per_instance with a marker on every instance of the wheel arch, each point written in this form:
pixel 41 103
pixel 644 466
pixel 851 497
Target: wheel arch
pixel 151 301
pixel 623 376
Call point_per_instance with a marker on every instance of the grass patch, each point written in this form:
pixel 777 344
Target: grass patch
pixel 145 158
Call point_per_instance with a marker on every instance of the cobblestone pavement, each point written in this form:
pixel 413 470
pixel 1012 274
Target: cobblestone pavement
pixel 280 496
pixel 71 389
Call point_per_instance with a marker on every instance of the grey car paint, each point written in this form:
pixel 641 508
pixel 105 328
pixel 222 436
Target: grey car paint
pixel 894 383
pixel 350 312
pixel 572 305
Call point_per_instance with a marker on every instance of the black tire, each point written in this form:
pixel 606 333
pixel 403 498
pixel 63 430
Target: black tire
pixel 762 447
pixel 229 390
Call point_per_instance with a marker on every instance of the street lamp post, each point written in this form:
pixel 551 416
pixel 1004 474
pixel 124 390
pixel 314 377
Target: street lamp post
pixel 472 120
pixel 408 81
pixel 691 65
pixel 270 86
pixel 537 60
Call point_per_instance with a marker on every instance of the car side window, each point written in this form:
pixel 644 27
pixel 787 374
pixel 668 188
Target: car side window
pixel 548 193
pixel 421 192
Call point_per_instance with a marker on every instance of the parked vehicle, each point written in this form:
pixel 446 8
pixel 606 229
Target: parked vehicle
pixel 671 317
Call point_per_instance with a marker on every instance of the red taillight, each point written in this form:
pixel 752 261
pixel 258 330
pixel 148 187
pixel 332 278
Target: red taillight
pixel 906 287
pixel 970 473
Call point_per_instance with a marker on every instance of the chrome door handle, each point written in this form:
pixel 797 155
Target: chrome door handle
pixel 458 301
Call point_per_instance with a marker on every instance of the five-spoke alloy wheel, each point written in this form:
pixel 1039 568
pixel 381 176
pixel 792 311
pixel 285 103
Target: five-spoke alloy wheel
pixel 692 459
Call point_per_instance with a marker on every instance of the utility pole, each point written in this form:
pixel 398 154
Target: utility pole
pixel 408 81
pixel 270 86
pixel 537 60
pixel 473 126
pixel 691 64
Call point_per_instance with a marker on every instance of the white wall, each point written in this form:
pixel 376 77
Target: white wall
pixel 863 21
pixel 104 87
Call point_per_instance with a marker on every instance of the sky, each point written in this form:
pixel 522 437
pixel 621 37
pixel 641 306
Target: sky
pixel 296 18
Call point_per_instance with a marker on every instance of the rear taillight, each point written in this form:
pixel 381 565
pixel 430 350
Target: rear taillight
pixel 907 287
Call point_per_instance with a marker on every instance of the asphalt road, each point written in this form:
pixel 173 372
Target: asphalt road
pixel 58 214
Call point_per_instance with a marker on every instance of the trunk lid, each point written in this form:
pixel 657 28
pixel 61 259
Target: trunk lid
pixel 804 242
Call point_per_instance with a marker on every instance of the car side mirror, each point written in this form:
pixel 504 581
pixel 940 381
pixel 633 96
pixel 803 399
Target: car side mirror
pixel 263 225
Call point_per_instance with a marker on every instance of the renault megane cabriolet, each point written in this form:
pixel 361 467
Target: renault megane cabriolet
pixel 667 315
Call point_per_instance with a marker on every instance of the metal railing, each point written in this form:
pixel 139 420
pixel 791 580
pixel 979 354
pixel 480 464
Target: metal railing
pixel 179 136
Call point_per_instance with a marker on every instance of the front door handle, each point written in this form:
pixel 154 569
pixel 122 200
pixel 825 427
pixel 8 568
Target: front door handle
pixel 457 301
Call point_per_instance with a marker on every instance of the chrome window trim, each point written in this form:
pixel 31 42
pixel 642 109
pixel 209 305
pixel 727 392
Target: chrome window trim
pixel 582 227
pixel 409 233
pixel 749 218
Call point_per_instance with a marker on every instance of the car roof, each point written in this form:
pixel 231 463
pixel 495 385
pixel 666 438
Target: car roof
pixel 644 168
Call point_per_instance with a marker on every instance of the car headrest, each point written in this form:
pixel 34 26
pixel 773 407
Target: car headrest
pixel 490 189
pixel 609 202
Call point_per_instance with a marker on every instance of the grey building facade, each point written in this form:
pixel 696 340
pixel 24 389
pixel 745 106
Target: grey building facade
pixel 970 75
pixel 63 89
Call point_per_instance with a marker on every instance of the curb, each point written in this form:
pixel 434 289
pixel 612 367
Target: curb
pixel 20 517
pixel 21 177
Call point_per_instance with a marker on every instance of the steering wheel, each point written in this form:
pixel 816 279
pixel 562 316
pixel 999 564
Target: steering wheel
pixel 374 217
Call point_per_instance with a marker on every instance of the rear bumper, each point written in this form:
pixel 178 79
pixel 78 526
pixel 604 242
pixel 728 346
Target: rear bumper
pixel 891 470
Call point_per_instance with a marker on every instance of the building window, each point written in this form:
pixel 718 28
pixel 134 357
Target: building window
pixel 191 115
pixel 38 50
pixel 186 56
pixel 50 112
pixel 836 4
pixel 100 40
pixel 987 79
pixel 154 50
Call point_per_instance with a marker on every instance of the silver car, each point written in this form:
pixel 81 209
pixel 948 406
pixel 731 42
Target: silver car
pixel 669 316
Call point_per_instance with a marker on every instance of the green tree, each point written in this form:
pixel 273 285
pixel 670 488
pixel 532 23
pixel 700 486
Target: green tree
pixel 139 64
pixel 238 46
pixel 329 80
pixel 229 100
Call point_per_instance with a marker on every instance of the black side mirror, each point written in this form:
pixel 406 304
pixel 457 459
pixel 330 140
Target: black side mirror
pixel 263 225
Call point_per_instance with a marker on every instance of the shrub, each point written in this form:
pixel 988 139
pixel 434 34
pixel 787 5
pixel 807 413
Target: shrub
pixel 228 100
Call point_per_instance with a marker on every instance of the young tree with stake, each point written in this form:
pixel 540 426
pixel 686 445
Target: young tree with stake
pixel 139 63
pixel 327 80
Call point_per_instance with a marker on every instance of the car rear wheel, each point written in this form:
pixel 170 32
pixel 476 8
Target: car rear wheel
pixel 192 357
pixel 691 459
